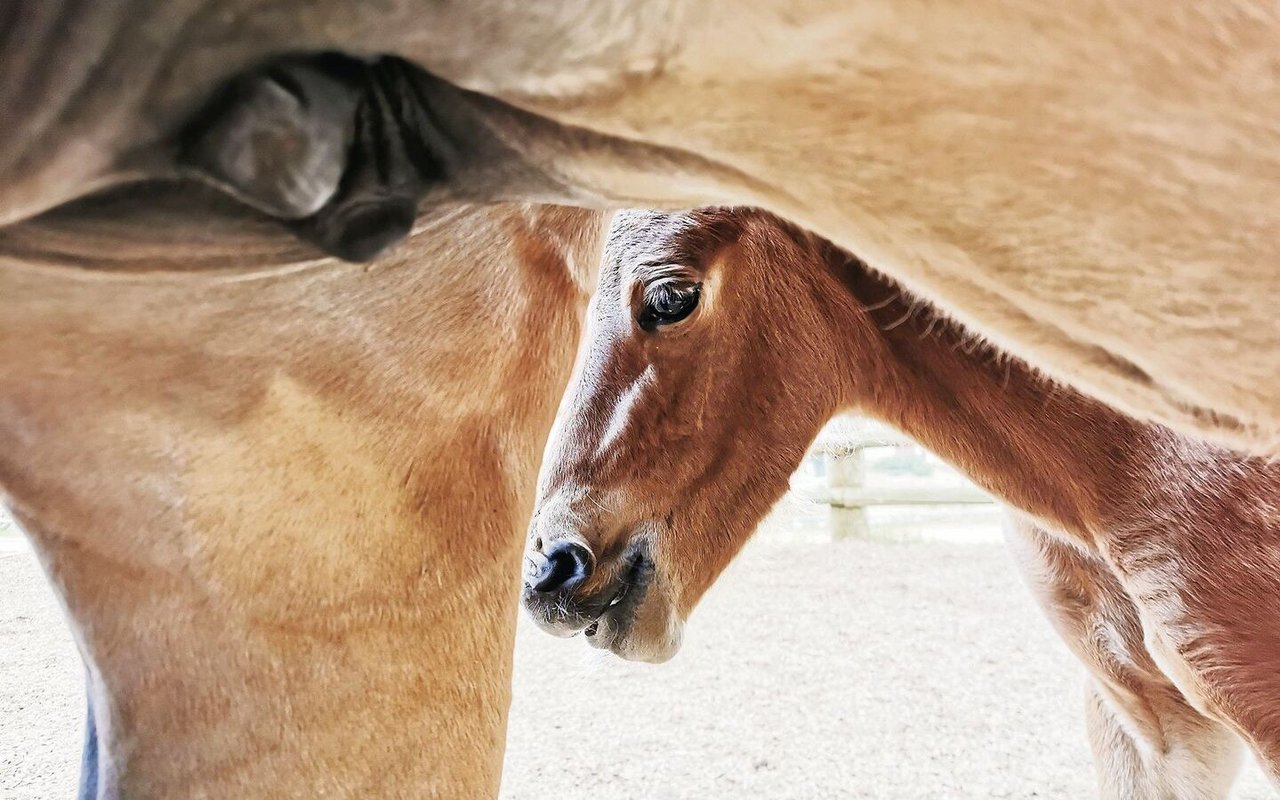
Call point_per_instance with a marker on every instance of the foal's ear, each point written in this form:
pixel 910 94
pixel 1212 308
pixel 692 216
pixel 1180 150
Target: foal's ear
pixel 278 138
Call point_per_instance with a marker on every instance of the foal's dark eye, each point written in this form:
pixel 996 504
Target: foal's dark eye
pixel 665 303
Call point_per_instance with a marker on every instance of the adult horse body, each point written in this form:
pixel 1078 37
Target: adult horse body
pixel 720 342
pixel 1024 166
pixel 1091 185
pixel 281 496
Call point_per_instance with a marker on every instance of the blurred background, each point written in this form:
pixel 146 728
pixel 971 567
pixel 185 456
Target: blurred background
pixel 873 641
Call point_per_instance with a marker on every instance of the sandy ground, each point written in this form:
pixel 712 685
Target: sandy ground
pixel 848 670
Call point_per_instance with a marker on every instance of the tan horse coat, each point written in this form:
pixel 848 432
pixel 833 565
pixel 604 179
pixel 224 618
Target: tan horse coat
pixel 281 498
pixel 1090 185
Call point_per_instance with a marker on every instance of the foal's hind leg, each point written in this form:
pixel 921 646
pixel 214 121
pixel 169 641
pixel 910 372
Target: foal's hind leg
pixel 1148 742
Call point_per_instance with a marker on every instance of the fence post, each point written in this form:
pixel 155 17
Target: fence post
pixel 847 468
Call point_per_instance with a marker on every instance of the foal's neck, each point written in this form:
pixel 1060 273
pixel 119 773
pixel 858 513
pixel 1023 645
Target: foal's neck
pixel 1037 445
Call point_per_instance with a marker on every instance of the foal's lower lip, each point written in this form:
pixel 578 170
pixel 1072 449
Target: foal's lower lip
pixel 618 596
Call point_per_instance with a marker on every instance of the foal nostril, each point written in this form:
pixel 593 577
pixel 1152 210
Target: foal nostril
pixel 565 566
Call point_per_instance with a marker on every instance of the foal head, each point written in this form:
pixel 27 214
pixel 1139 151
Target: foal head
pixel 708 368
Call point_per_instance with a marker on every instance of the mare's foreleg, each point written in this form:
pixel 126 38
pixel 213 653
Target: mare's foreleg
pixel 89 755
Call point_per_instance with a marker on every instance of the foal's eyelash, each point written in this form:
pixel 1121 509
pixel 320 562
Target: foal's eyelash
pixel 676 285
pixel 660 271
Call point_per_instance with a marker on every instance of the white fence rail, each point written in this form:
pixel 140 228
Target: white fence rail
pixel 845 489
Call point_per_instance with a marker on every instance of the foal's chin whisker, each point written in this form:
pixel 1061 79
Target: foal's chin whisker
pixel 592 497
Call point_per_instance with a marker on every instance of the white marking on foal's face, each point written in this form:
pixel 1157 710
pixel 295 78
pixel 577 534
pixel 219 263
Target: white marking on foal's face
pixel 621 412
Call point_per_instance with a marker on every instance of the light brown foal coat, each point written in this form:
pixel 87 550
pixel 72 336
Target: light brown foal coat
pixel 1156 556
pixel 281 497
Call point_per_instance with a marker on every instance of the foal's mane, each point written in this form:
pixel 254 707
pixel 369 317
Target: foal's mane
pixel 886 301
